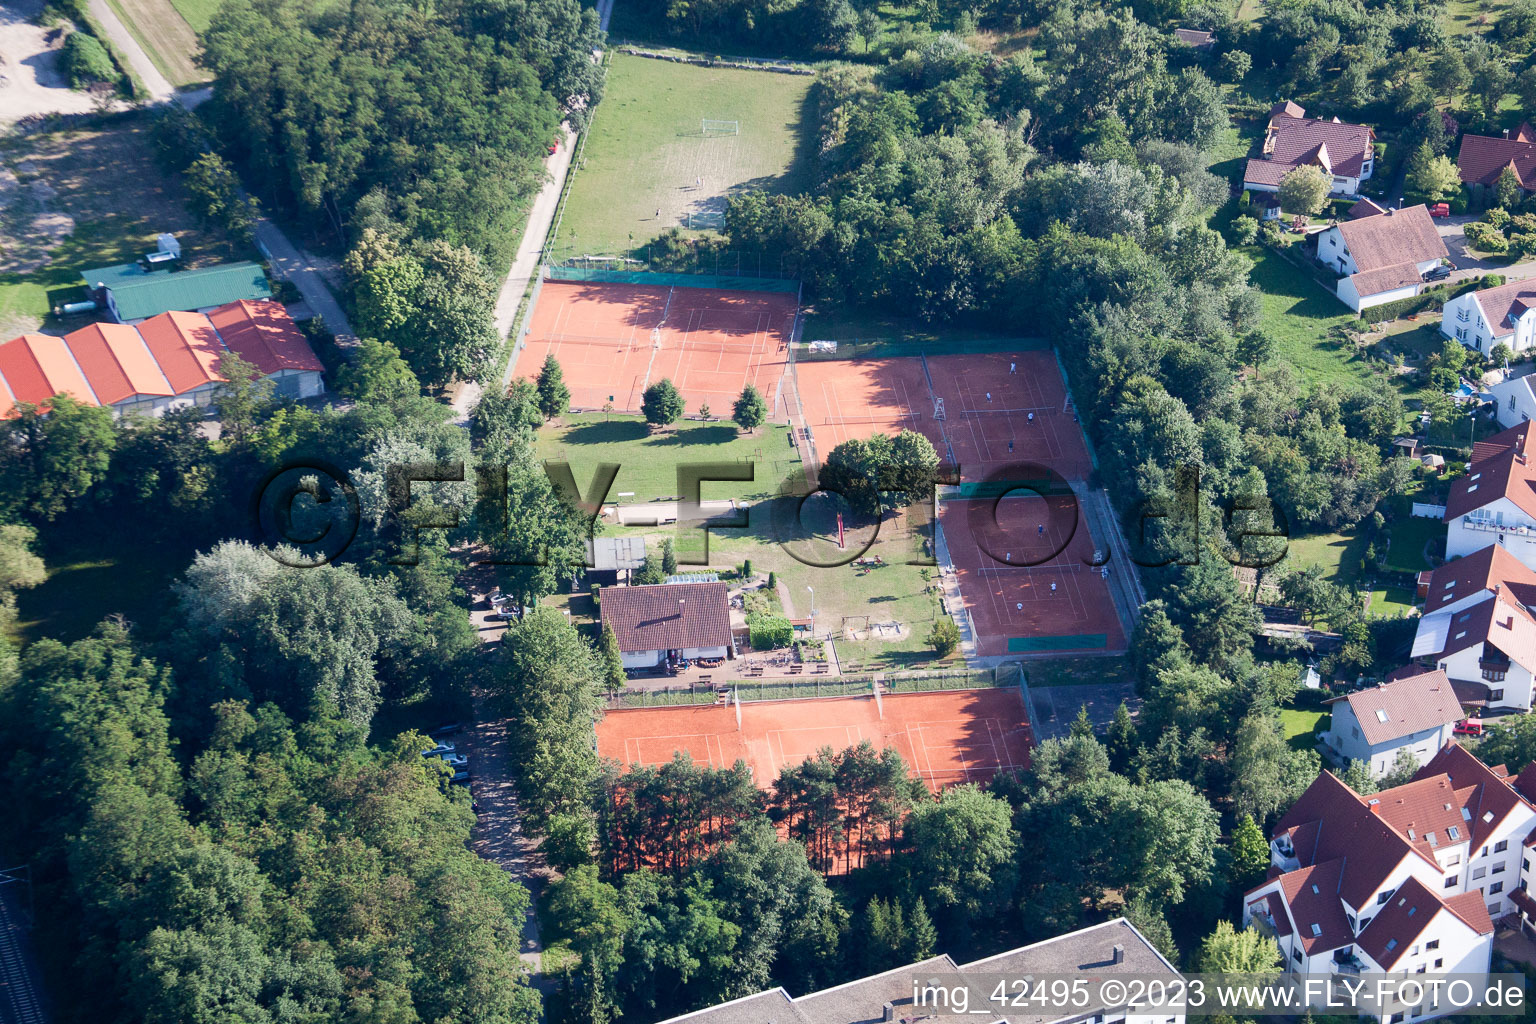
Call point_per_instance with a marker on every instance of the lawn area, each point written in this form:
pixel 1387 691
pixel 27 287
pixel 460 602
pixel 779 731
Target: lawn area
pixel 1339 553
pixel 844 594
pixel 165 34
pixel 645 151
pixel 1299 315
pixel 92 577
pixel 1300 726
pixel 87 198
pixel 1408 537
pixel 648 462
pixel 198 13
pixel 1389 602
pixel 1462 16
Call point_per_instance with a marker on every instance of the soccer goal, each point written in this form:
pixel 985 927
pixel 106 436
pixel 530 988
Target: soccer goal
pixel 711 127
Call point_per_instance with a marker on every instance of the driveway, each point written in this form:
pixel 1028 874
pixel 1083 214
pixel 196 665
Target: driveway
pixel 1452 233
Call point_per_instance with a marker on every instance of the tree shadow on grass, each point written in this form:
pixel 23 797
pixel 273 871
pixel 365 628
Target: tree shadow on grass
pixel 722 433
pixel 612 432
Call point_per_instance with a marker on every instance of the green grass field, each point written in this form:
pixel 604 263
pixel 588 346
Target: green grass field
pixel 166 35
pixel 777 542
pixel 92 577
pixel 648 462
pixel 1409 535
pixel 645 152
pixel 1300 726
pixel 198 13
pixel 1299 315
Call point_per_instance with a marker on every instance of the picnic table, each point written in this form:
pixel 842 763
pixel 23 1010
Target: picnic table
pixel 706 679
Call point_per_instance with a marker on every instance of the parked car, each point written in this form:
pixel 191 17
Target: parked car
pixel 1440 210
pixel 1469 727
pixel 1439 273
pixel 455 761
pixel 443 747
pixel 446 729
pixel 461 778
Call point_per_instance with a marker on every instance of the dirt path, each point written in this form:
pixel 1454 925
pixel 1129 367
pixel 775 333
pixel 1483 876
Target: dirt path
pixel 498 836
pixel 30 80
pixel 158 87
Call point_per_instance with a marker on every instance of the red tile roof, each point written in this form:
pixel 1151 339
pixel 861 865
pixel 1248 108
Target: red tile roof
pixel 38 366
pixel 1476 573
pixel 1403 707
pixel 1396 237
pixel 1500 306
pixel 1312 893
pixel 1404 918
pixel 1386 279
pixel 1486 794
pixel 1364 208
pixel 262 333
pixel 1482 157
pixel 186 346
pixel 1293 140
pixel 670 616
pixel 116 362
pixel 1426 812
pixel 1331 822
pixel 1503 441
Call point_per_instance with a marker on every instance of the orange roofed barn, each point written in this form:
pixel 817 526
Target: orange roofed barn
pixel 168 361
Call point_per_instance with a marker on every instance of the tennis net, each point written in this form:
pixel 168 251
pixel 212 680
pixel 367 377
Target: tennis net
pixel 1056 568
pixel 895 417
pixel 987 413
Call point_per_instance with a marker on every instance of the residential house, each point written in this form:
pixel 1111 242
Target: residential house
pixel 1345 151
pixel 1478 629
pixel 1483 158
pixel 1381 258
pixel 1484 319
pixel 1494 502
pixel 1515 400
pixel 1113 948
pixel 1406 880
pixel 1414 713
pixel 668 621
pixel 131 292
pixel 169 361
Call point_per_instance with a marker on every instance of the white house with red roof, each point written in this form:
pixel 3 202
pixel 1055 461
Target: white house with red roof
pixel 1483 158
pixel 1478 629
pixel 1344 151
pixel 1407 880
pixel 1415 713
pixel 1381 257
pixel 1494 502
pixel 1484 319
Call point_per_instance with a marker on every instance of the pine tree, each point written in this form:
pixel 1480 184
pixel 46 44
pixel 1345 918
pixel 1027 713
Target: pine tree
pixel 1250 853
pixel 554 396
pixel 1121 740
pixel 662 403
pixel 668 557
pixel 1082 725
pixel 612 660
pixel 922 936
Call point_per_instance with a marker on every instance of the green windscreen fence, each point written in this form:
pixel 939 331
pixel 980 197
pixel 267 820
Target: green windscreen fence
pixel 998 488
pixel 648 277
pixel 1071 642
pixel 881 348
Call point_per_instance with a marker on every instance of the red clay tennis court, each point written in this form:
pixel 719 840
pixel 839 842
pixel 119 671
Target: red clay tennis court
pixel 615 340
pixel 1060 604
pixel 1006 407
pixel 859 398
pixel 946 737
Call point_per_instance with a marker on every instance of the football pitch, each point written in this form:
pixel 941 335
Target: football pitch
pixel 646 152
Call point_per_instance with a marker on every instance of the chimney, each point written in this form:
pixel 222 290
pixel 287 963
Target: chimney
pixel 1506 133
pixel 888 1012
pixel 1119 954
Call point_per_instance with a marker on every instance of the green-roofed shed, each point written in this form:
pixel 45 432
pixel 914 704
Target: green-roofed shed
pixel 131 293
